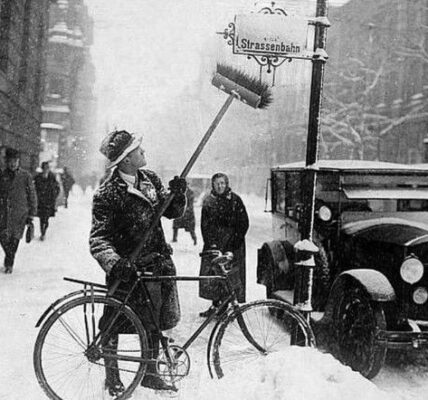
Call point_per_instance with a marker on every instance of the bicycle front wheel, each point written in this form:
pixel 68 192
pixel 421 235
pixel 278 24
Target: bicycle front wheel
pixel 256 330
pixel 87 346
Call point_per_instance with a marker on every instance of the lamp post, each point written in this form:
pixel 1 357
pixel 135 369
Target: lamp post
pixel 305 248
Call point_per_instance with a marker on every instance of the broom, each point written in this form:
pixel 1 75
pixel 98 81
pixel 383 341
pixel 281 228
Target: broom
pixel 238 85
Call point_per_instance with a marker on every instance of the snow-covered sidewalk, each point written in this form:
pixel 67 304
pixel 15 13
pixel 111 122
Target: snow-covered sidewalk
pixel 37 281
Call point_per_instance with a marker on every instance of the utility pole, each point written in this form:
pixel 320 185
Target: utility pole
pixel 305 248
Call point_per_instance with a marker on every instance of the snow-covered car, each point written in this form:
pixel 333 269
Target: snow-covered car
pixel 371 275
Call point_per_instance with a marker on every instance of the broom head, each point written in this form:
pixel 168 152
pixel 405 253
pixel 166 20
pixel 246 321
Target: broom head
pixel 249 90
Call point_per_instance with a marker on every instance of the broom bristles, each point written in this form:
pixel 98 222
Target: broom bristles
pixel 248 82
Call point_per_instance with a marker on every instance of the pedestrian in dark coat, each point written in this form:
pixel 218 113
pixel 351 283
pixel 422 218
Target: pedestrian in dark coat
pixel 124 207
pixel 187 221
pixel 18 205
pixel 47 188
pixel 67 184
pixel 224 223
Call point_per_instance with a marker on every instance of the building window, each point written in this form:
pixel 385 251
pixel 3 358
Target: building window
pixel 5 20
pixel 25 45
pixel 40 75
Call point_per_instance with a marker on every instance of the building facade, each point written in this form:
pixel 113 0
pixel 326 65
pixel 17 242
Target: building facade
pixel 69 103
pixel 23 39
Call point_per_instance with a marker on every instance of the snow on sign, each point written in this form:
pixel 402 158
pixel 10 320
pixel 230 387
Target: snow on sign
pixel 271 35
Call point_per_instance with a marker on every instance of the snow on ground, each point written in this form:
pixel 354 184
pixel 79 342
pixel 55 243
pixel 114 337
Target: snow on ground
pixel 297 374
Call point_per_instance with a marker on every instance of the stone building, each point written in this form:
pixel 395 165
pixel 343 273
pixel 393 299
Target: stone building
pixel 69 103
pixel 23 36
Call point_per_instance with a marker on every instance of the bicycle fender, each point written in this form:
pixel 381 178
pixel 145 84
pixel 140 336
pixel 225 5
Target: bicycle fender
pixel 59 302
pixel 213 334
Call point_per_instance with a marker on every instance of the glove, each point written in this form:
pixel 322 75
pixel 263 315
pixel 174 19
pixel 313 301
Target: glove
pixel 123 270
pixel 178 185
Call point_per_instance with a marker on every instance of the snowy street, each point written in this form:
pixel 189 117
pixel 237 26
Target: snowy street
pixel 37 281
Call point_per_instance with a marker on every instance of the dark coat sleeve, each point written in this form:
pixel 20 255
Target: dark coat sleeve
pixel 178 204
pixel 208 226
pixel 101 235
pixel 241 222
pixel 56 188
pixel 31 196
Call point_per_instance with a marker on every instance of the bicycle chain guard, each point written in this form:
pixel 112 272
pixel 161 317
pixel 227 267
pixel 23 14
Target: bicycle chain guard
pixel 175 367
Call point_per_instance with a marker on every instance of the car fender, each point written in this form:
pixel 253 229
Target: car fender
pixel 374 282
pixel 273 258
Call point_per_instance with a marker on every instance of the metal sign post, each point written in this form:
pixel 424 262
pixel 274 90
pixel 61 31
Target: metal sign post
pixel 271 37
pixel 306 249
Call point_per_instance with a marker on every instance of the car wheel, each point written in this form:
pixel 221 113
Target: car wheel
pixel 356 321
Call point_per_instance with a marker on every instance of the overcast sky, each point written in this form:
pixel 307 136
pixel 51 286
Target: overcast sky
pixel 145 52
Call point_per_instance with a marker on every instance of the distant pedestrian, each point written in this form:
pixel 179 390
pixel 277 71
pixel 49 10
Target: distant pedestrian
pixel 67 184
pixel 47 188
pixel 18 205
pixel 224 224
pixel 187 221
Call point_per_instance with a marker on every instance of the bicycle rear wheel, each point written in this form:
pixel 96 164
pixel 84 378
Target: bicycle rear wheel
pixel 68 368
pixel 255 330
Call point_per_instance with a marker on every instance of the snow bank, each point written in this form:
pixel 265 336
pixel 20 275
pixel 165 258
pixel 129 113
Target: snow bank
pixel 295 374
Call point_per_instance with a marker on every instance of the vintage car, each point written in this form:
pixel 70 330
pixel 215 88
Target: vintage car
pixel 371 228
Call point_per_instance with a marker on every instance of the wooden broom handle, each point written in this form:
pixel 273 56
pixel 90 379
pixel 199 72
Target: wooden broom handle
pixel 183 174
pixel 133 256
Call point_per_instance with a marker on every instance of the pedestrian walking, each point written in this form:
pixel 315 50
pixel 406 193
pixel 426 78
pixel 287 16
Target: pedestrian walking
pixel 124 207
pixel 47 188
pixel 224 224
pixel 67 184
pixel 187 221
pixel 18 205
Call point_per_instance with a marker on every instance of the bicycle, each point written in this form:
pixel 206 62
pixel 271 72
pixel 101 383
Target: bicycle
pixel 71 349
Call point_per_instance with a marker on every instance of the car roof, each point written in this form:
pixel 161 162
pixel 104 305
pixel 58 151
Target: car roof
pixel 357 166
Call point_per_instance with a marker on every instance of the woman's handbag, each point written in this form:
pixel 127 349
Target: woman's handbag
pixel 29 234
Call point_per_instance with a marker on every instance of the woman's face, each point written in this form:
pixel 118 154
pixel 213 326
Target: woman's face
pixel 220 185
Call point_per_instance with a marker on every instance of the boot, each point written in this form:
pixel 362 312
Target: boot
pixel 153 381
pixel 112 382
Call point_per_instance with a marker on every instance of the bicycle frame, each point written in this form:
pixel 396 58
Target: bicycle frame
pixel 91 289
pixel 101 336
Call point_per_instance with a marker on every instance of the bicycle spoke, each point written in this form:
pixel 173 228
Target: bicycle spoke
pixel 255 330
pixel 70 370
pixel 72 333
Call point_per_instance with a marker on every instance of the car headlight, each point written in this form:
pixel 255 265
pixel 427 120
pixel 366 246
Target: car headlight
pixel 420 295
pixel 324 213
pixel 412 270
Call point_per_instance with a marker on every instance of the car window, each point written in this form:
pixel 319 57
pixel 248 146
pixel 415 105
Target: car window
pixel 279 192
pixel 412 205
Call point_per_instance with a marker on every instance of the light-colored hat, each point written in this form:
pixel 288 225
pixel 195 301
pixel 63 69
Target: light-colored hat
pixel 118 144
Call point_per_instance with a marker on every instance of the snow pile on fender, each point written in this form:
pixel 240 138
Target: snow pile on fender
pixel 295 374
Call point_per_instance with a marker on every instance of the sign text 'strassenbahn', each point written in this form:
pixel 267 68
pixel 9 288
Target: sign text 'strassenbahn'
pixel 270 34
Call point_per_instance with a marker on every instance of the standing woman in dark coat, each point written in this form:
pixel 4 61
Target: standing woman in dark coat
pixel 47 189
pixel 224 223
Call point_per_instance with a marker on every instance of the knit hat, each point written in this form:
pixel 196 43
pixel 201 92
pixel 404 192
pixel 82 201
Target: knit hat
pixel 117 145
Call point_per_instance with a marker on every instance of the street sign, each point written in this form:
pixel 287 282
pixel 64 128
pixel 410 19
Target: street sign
pixel 270 35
